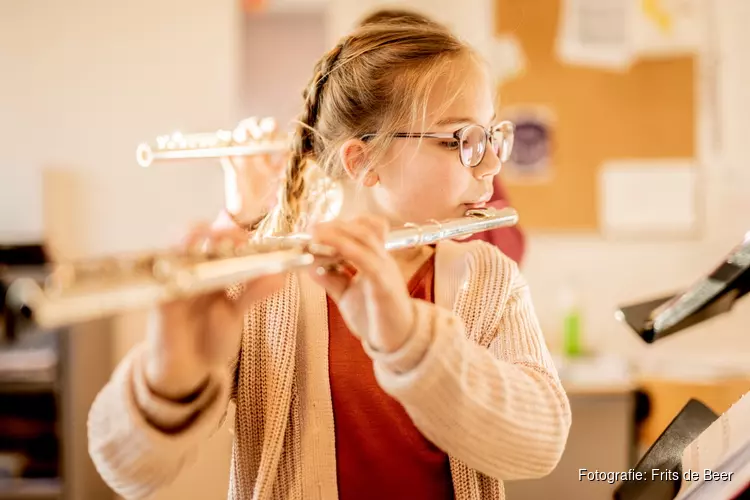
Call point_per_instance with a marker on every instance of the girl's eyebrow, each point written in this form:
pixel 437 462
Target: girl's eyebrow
pixel 457 120
pixel 451 121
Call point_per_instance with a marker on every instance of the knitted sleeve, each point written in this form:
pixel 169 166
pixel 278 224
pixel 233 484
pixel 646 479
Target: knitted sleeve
pixel 140 442
pixel 495 403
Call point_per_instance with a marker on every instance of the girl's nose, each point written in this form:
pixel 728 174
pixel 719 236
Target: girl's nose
pixel 490 165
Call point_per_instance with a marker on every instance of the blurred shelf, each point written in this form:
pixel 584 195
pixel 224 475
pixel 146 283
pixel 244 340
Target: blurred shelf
pixel 59 372
pixel 30 489
pixel 27 387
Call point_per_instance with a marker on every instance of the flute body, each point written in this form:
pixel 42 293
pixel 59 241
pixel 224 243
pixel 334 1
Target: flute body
pixel 79 292
pixel 146 155
pixel 251 137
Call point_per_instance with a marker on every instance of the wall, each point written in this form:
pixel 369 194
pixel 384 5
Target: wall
pixel 87 81
pixel 281 48
pixel 83 82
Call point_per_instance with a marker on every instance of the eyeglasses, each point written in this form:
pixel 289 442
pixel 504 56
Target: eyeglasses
pixel 471 141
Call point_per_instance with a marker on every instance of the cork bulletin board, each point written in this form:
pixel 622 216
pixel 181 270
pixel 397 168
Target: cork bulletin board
pixel 593 116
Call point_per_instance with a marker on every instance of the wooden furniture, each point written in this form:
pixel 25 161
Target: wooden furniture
pixel 45 414
pixel 668 396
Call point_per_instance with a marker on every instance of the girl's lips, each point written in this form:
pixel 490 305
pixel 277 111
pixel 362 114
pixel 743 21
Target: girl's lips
pixel 476 205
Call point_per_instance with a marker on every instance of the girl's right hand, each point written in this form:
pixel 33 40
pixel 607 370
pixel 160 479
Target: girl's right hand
pixel 251 182
pixel 188 338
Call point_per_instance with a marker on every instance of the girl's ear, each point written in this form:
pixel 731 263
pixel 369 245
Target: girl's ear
pixel 353 154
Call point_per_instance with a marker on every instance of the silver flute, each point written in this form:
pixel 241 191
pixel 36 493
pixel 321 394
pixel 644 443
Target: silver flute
pixel 81 291
pixel 252 136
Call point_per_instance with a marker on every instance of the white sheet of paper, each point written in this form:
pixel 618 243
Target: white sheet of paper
pixel 649 198
pixel 597 33
pixel 506 58
pixel 723 447
pixel 668 28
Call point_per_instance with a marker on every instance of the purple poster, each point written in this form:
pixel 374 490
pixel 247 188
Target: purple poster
pixel 530 159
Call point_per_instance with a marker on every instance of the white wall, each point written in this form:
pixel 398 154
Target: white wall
pixel 82 83
pixel 281 48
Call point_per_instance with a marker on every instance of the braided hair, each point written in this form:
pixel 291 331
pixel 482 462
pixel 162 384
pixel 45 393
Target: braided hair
pixel 303 147
pixel 377 79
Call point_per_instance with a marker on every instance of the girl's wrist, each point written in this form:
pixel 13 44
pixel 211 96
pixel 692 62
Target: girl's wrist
pixel 172 382
pixel 393 343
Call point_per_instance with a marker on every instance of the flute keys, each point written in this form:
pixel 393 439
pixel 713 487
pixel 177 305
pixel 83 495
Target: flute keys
pixel 254 129
pixel 225 247
pixel 224 137
pixel 247 129
pixel 63 277
pixel 162 269
pixel 240 134
pixel 245 248
pixel 267 126
pixel 197 250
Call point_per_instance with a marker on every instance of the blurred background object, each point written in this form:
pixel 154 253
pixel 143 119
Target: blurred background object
pixel 630 184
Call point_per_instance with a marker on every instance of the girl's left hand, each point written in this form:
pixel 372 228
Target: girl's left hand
pixel 375 302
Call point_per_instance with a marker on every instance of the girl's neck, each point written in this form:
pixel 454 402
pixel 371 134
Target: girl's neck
pixel 356 201
pixel 411 259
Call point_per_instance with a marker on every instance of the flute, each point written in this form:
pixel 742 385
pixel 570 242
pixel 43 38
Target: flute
pixel 83 291
pixel 252 136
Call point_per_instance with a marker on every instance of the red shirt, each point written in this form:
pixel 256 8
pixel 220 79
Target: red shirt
pixel 380 454
pixel 510 240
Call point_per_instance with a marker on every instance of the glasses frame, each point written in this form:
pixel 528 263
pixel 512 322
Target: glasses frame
pixel 506 128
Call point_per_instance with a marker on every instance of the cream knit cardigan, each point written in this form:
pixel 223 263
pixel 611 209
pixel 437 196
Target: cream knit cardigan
pixel 475 377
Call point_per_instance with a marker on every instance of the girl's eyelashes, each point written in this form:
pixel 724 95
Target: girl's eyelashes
pixel 449 144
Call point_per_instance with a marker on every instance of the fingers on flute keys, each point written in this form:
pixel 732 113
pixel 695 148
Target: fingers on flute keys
pixel 255 129
pixel 258 130
pixel 205 240
pixel 360 243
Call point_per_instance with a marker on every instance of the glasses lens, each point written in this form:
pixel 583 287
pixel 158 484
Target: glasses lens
pixel 473 145
pixel 502 140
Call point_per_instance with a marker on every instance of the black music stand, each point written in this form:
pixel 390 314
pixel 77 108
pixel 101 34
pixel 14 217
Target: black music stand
pixel 665 455
pixel 714 294
pixel 655 319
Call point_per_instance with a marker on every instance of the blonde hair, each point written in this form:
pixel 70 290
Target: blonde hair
pixel 376 80
pixel 403 16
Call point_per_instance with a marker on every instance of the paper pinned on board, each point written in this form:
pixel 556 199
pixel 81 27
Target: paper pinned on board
pixel 654 198
pixel 597 33
pixel 506 58
pixel 668 28
pixel 613 34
